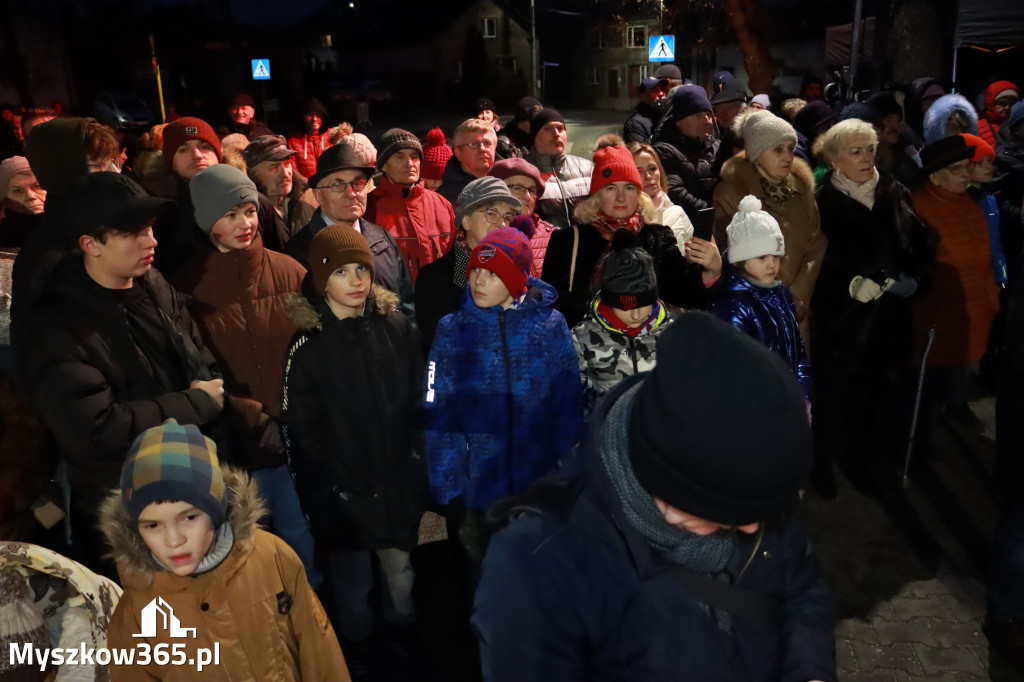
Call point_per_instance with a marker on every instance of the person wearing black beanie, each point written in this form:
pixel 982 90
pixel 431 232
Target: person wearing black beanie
pixel 679 534
pixel 687 147
pixel 568 176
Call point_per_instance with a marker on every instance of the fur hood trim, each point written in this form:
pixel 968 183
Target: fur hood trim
pixel 306 315
pixel 245 509
pixel 937 115
pixel 739 171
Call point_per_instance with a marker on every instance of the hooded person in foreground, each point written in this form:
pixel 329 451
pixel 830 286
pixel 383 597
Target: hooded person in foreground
pixel 668 557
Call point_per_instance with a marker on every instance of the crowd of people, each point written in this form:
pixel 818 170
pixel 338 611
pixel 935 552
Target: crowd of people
pixel 612 374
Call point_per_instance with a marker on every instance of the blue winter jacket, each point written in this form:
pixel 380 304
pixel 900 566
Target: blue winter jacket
pixel 582 596
pixel 503 399
pixel 767 314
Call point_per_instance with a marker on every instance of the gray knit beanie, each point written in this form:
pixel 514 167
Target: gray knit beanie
pixel 761 131
pixel 394 141
pixel 480 191
pixel 216 190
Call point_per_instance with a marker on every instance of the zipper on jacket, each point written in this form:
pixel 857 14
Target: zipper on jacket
pixel 508 400
pixel 632 352
pixel 753 553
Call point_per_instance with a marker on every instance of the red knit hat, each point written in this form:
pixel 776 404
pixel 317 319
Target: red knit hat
pixel 435 155
pixel 505 252
pixel 178 132
pixel 613 164
pixel 981 148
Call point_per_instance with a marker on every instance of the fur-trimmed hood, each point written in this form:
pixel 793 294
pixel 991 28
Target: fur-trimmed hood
pixel 307 310
pixel 938 114
pixel 738 170
pixel 127 547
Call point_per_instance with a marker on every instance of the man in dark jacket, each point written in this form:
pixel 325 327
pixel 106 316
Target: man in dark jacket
pixel 242 119
pixel 640 126
pixel 566 177
pixel 341 184
pixel 268 163
pixel 475 146
pixel 110 349
pixel 659 558
pixel 687 149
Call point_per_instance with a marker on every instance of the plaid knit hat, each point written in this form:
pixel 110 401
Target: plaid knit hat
pixel 761 131
pixel 754 233
pixel 394 141
pixel 627 279
pixel 613 164
pixel 436 153
pixel 334 246
pixel 505 252
pixel 174 462
pixel 188 128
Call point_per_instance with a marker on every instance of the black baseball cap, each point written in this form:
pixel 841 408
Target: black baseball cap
pixel 109 200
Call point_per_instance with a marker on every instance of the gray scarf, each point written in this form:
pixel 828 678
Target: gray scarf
pixel 223 541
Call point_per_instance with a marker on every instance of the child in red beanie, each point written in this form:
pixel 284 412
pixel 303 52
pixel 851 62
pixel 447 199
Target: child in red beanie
pixel 503 396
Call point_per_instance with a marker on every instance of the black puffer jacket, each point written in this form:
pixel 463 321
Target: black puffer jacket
pixel 640 126
pixel 352 415
pixel 886 241
pixel 1009 190
pixel 689 168
pixel 94 388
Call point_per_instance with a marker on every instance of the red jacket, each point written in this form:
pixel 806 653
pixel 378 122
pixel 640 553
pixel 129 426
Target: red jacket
pixel 989 124
pixel 539 244
pixel 964 299
pixel 420 220
pixel 308 149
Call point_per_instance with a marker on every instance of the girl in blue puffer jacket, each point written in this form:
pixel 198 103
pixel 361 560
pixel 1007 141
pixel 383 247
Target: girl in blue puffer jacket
pixel 503 399
pixel 754 300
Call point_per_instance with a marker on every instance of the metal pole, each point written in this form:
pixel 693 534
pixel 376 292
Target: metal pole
pixel 855 47
pixel 533 51
pixel 159 83
pixel 956 53
pixel 661 13
pixel 917 405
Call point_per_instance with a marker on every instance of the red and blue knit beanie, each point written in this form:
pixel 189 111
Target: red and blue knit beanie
pixel 505 252
pixel 174 462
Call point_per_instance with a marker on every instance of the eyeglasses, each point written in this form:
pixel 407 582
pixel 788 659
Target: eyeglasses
pixel 520 189
pixel 958 169
pixel 486 144
pixel 495 218
pixel 340 186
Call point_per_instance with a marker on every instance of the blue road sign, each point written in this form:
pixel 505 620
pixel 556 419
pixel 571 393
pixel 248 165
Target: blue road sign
pixel 661 48
pixel 261 69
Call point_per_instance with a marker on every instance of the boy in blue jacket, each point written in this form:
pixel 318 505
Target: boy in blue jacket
pixel 503 399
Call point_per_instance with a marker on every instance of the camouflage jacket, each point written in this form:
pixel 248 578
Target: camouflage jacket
pixel 607 356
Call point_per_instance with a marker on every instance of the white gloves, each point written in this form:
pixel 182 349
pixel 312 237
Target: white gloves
pixel 865 289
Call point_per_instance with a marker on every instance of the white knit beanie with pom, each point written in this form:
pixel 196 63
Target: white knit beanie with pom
pixel 753 232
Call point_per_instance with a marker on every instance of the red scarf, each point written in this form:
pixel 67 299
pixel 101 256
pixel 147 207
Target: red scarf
pixel 607 315
pixel 607 225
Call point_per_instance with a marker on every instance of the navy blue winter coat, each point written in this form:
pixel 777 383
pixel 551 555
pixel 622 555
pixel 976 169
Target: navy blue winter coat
pixel 503 398
pixel 585 598
pixel 769 315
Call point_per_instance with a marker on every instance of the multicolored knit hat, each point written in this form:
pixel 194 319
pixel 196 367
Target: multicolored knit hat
pixel 613 164
pixel 505 252
pixel 174 462
pixel 436 153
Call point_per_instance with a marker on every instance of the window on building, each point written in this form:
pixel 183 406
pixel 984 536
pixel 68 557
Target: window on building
pixel 636 36
pixel 593 76
pixel 489 27
pixel 326 40
pixel 595 39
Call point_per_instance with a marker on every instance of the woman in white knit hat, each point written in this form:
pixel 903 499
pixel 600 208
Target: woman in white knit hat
pixel 768 170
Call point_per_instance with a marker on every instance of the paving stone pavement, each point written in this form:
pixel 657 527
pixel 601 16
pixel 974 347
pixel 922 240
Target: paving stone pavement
pixel 908 573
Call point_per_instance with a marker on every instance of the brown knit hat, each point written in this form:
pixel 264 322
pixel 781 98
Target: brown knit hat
pixel 333 247
pixel 188 128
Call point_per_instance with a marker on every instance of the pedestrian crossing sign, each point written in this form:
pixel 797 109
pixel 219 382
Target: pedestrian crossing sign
pixel 662 48
pixel 261 69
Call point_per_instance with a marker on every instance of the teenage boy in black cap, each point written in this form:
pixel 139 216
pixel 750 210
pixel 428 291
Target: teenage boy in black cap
pixel 111 349
pixel 566 177
pixel 687 147
pixel 677 548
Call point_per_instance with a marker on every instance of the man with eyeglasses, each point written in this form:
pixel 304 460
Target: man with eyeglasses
pixel 23 201
pixel 475 146
pixel 485 204
pixel 341 185
pixel 962 303
pixel 420 220
pixel 566 177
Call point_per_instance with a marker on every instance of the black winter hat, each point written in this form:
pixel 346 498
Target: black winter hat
pixel 315 105
pixel 886 104
pixel 739 453
pixel 628 279
pixel 944 152
pixel 526 107
pixel 541 119
pixel 394 141
pixel 688 100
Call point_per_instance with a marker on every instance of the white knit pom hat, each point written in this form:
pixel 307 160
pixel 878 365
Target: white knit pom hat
pixel 753 232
